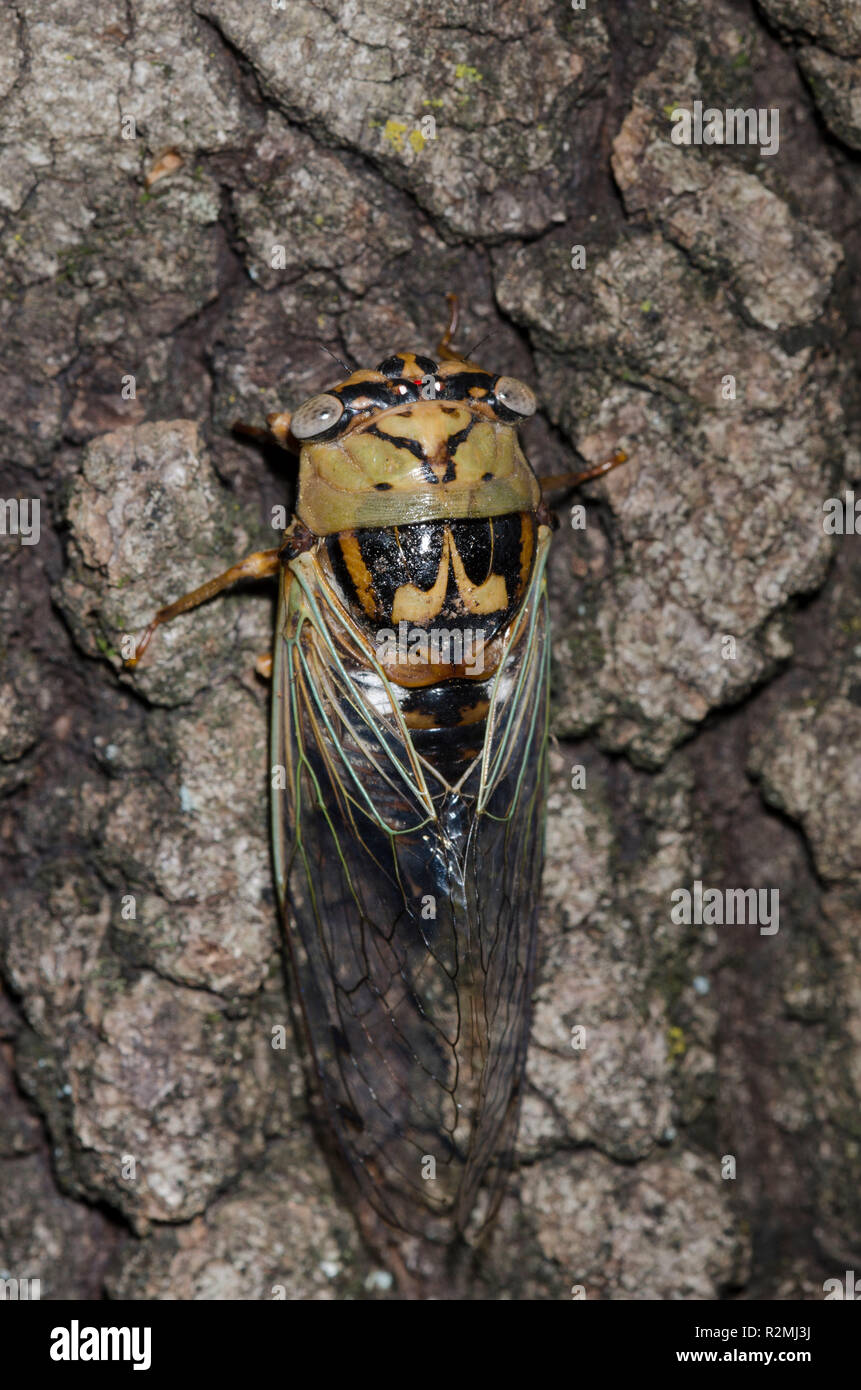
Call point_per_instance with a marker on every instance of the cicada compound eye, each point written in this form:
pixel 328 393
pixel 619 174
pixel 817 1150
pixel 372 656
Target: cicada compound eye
pixel 316 416
pixel 515 395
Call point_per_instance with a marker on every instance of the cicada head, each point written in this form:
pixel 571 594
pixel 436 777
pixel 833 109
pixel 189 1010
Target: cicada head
pixel 413 440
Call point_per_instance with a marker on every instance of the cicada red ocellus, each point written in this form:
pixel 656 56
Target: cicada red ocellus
pixel 409 732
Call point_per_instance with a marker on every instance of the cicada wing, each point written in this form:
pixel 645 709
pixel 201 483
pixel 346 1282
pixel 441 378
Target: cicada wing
pixel 353 841
pixel 503 883
pixel 410 905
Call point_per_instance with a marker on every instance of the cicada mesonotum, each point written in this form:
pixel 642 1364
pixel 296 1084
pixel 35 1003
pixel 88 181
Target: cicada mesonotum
pixel 409 729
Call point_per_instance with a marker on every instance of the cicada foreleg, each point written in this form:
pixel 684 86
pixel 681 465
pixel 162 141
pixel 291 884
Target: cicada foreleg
pixel 445 351
pixel 261 565
pixel 276 431
pixel 566 480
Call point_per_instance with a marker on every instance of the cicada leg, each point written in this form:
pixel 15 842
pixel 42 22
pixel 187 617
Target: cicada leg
pixel 261 565
pixel 566 480
pixel 277 430
pixel 445 352
pixel 444 349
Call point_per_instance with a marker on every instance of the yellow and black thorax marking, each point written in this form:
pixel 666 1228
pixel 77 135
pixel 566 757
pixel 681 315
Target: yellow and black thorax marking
pixel 458 574
pixel 445 592
pixel 413 440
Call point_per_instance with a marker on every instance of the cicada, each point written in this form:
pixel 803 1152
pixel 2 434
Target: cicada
pixel 408 749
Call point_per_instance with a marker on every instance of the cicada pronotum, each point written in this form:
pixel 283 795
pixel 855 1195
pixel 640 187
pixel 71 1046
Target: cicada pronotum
pixel 409 731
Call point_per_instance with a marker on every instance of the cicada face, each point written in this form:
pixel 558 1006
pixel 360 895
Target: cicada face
pixel 413 441
pixel 408 836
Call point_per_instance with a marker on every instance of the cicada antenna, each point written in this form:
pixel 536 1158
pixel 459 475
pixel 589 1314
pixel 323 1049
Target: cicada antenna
pixel 476 346
pixel 340 361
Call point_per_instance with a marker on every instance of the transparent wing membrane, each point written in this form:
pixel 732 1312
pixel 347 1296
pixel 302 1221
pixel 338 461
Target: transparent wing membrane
pixel 411 905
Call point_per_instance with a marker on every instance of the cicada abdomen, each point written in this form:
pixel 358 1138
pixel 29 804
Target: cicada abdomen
pixel 410 717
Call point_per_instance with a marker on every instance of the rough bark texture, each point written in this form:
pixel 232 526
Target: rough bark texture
pixel 706 640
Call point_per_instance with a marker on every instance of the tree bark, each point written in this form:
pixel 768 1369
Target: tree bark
pixel 195 199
